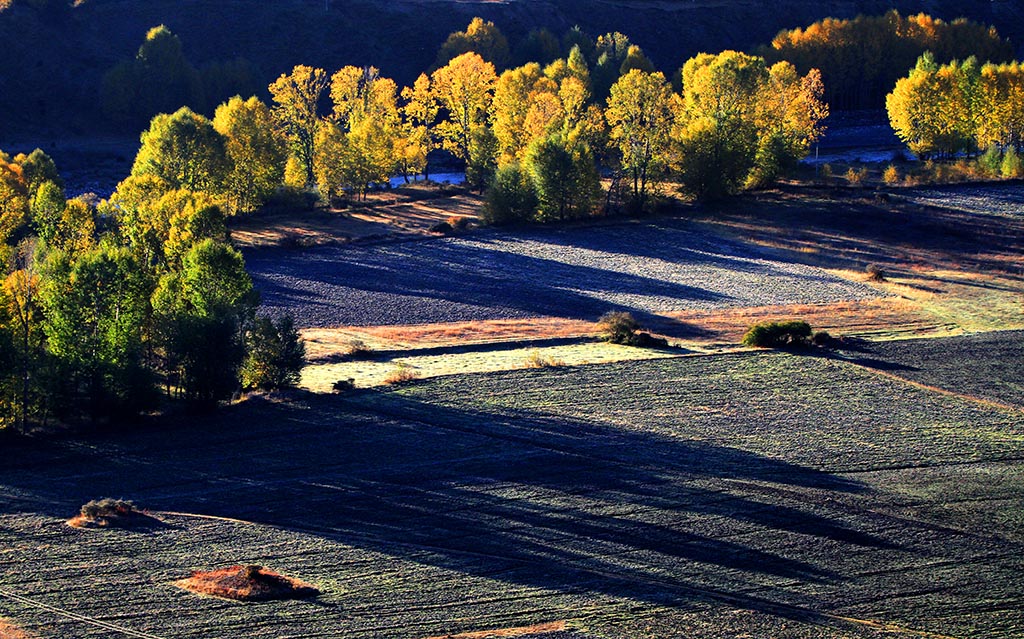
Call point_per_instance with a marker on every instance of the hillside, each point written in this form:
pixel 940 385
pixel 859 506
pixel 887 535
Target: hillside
pixel 55 58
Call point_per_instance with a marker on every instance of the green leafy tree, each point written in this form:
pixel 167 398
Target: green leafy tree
pixel 564 176
pixel 201 312
pixel 95 306
pixel 186 151
pixel 275 355
pixel 511 197
pixel 159 80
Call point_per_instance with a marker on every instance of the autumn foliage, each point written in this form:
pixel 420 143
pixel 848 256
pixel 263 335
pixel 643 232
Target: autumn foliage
pixel 861 59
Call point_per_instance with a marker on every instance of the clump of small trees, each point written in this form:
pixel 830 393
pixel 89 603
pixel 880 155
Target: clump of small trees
pixel 944 110
pixel 102 304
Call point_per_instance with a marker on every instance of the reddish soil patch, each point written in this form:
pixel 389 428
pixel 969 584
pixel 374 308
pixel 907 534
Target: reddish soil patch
pixel 864 318
pixel 247 583
pixel 409 211
pixel 10 631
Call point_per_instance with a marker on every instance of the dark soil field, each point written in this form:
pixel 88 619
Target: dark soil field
pixel 757 494
pixel 575 273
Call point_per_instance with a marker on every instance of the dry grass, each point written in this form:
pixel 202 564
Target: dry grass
pixel 382 215
pixel 401 373
pixel 10 631
pixel 535 629
pixel 538 360
pixel 247 583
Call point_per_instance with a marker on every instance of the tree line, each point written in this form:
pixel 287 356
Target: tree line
pixel 944 110
pixel 861 58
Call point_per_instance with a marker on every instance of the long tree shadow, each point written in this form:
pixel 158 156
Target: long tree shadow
pixel 581 273
pixel 545 500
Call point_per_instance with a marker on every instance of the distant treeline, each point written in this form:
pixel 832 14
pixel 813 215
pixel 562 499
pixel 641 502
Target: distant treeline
pixel 861 59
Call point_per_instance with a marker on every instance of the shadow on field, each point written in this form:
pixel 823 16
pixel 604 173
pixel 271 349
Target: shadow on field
pixel 537 500
pixel 850 229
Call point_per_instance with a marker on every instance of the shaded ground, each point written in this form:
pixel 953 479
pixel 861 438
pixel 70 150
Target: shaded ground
pixel 766 493
pixel 581 273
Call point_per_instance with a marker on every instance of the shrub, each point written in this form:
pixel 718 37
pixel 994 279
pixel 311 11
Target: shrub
pixel 856 177
pixel 401 373
pixel 537 360
pixel 343 386
pixel 511 198
pixel 778 334
pixel 1012 166
pixel 356 349
pixel 822 338
pixel 875 273
pixel 826 171
pixel 275 355
pixel 991 161
pixel 618 327
pixel 458 222
pixel 103 508
pixel 444 228
pixel 891 175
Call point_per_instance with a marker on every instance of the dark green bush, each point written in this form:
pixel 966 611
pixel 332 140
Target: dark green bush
pixel 275 355
pixel 511 198
pixel 778 334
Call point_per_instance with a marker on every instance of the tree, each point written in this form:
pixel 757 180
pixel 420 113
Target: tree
pixel 275 355
pixel 256 152
pixel 297 97
pixel 540 46
pixel 201 314
pixel 739 123
pixel 158 80
pixel 366 112
pixel 564 176
pixel 95 306
pixel 480 37
pixel 934 109
pixel 14 201
pixel 511 197
pixel 861 59
pixel 640 115
pixel 514 93
pixel 464 89
pixel 420 110
pixel 46 209
pixel 186 151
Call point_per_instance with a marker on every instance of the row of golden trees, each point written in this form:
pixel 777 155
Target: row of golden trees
pixel 736 122
pixel 861 58
pixel 959 107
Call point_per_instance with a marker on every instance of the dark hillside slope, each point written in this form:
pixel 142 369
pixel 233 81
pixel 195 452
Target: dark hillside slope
pixel 54 59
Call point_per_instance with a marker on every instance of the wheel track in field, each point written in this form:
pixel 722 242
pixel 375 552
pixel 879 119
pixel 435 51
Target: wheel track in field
pixel 92 621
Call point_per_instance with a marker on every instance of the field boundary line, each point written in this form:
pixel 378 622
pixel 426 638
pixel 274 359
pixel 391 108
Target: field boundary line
pixel 984 401
pixel 890 627
pixel 106 625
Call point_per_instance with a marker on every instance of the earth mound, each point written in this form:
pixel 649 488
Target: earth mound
pixel 247 583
